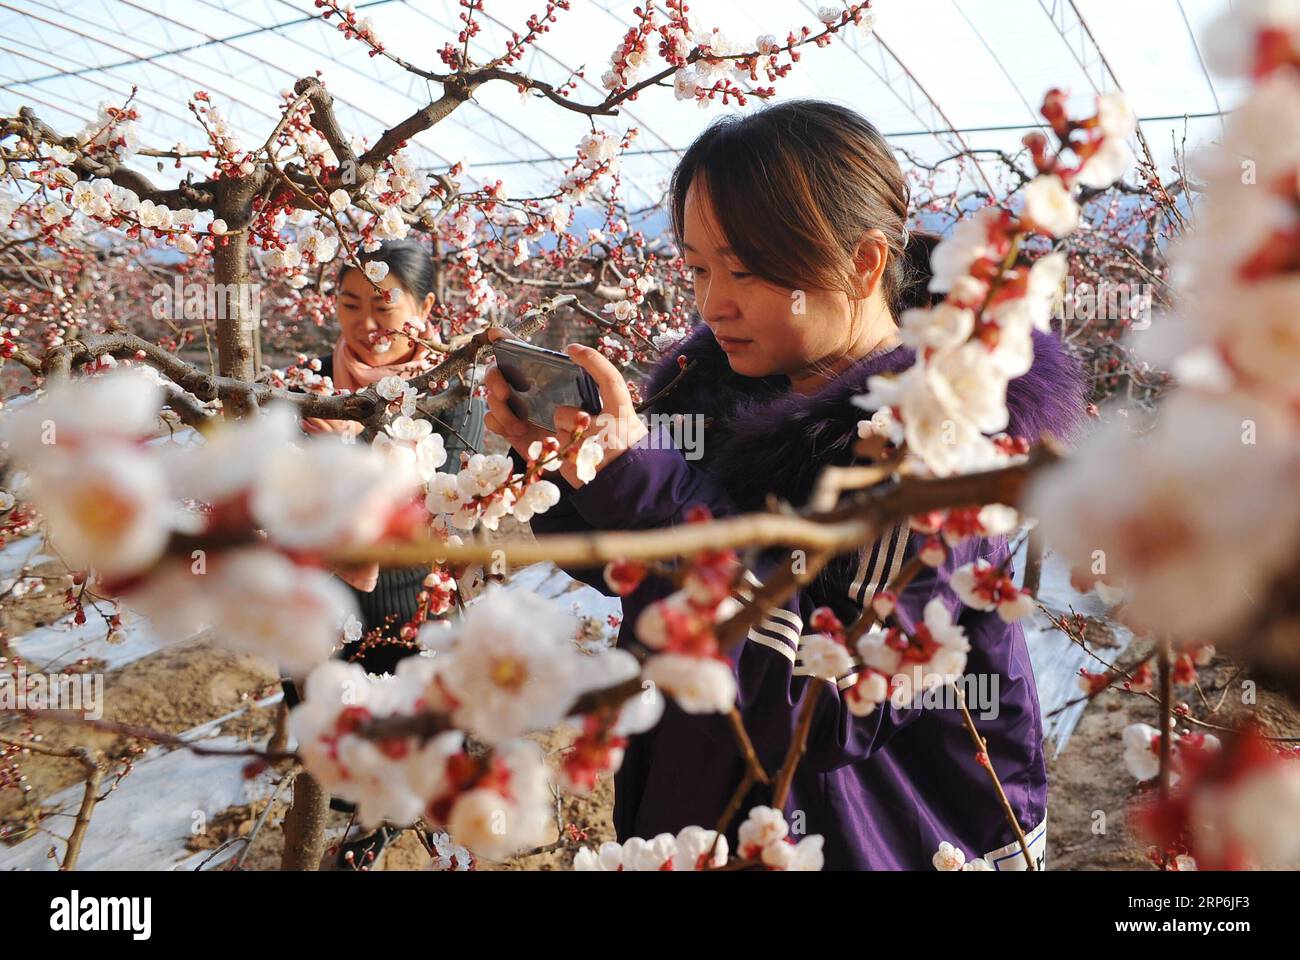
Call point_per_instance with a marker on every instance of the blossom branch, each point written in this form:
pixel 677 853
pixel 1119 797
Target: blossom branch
pixel 1165 662
pixel 753 766
pixel 834 531
pixel 981 745
pixel 798 745
pixel 72 717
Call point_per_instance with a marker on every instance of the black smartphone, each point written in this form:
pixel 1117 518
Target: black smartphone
pixel 542 380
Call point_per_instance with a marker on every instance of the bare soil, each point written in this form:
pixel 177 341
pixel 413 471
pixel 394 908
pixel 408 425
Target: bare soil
pixel 1089 787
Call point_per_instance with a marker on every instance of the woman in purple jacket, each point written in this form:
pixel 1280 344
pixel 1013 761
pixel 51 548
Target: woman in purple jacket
pixel 792 222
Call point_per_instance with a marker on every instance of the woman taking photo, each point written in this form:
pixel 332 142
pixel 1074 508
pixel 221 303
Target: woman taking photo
pixel 792 221
pixel 372 344
pixel 370 347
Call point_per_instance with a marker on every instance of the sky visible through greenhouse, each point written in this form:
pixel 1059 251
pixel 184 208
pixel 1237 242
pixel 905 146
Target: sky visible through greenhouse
pixel 937 76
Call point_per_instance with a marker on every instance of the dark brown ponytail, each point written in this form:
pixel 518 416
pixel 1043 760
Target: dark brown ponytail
pixel 914 289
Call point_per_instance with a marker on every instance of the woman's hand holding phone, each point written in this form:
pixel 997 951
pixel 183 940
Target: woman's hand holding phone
pixel 345 428
pixel 617 425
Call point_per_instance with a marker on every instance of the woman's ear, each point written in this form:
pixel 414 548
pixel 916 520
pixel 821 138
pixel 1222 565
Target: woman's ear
pixel 869 262
pixel 427 307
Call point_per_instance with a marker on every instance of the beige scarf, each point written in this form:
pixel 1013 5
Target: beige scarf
pixel 353 373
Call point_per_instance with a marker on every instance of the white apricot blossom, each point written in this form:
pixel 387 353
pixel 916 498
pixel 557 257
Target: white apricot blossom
pixel 1253 818
pixel 105 507
pixel 327 493
pixel 261 602
pixel 805 855
pixel 948 859
pixel 1049 205
pixel 389 781
pixel 763 839
pixel 1142 750
pixel 590 455
pixel 497 823
pixel 232 457
pixel 968 241
pixel 696 684
pixel 947 403
pixel 121 406
pixel 611 667
pixel 511 665
pixel 1152 510
pixel 608 857
pixel 824 657
pixel 908 678
pixel 982 586
pixel 698 848
pixel 539 497
pixel 412 447
pixel 763 827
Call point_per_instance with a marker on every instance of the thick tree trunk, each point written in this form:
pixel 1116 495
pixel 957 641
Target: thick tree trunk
pixel 234 325
pixel 240 320
pixel 304 825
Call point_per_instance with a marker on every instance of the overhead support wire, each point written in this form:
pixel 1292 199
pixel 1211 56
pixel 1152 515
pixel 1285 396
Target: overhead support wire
pixel 1038 120
pixel 1209 82
pixel 149 58
pixel 888 135
pixel 1065 16
pixel 909 91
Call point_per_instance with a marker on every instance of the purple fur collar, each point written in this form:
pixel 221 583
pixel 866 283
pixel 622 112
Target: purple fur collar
pixel 765 439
